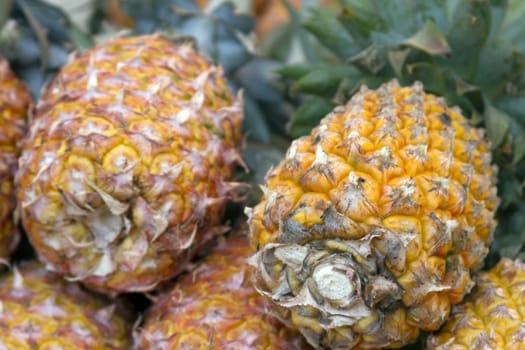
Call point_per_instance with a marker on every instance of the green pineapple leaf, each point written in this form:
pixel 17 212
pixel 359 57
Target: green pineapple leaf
pixel 515 106
pixel 304 115
pixel 431 75
pixel 512 27
pixel 296 71
pixel 517 140
pixel 372 59
pixel 360 18
pixel 467 34
pixel 429 39
pixel 331 33
pixel 332 82
pixel 499 56
pixel 324 83
pixel 397 59
pixel 498 10
pixel 462 87
pixel 496 123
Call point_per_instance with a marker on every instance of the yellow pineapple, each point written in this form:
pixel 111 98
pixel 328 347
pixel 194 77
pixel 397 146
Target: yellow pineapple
pixel 369 229
pixel 14 103
pixel 492 317
pixel 126 169
pixel 216 307
pixel 39 310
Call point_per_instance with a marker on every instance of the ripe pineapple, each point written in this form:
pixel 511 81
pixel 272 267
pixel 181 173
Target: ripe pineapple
pixel 216 307
pixel 39 310
pixel 492 317
pixel 125 171
pixel 370 227
pixel 14 103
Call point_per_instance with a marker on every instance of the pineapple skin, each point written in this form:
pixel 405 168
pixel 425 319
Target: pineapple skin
pixel 370 227
pixel 216 307
pixel 40 310
pixel 15 100
pixel 125 172
pixel 491 317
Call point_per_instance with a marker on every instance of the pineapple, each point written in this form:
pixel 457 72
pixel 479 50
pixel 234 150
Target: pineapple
pixel 14 104
pixel 369 229
pixel 492 317
pixel 39 310
pixel 216 307
pixel 125 171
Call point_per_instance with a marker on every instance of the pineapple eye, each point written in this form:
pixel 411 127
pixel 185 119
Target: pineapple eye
pixel 120 159
pixel 96 125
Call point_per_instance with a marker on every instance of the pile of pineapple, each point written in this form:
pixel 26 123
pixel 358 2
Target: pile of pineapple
pixel 385 160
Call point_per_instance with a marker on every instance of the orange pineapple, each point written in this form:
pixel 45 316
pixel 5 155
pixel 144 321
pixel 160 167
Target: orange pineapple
pixel 126 170
pixel 216 307
pixel 39 310
pixel 370 228
pixel 14 103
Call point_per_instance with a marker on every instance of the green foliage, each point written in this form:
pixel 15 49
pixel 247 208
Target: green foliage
pixel 36 38
pixel 471 52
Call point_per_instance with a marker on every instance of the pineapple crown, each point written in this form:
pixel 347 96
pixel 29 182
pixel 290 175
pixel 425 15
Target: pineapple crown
pixel 468 51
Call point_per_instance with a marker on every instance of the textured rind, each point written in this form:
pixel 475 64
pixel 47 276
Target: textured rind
pixel 125 171
pixel 370 227
pixel 14 103
pixel 216 307
pixel 491 317
pixel 39 310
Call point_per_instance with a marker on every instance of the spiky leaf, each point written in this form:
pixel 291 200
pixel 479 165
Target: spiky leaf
pixel 429 39
pixel 302 118
pixel 331 33
pixel 497 124
pixel 512 27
